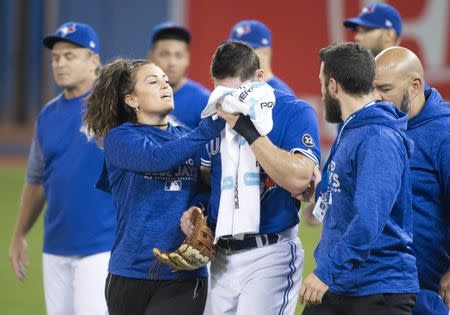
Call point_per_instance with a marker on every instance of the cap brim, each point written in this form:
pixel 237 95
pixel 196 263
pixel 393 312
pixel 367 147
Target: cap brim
pixel 354 22
pixel 51 40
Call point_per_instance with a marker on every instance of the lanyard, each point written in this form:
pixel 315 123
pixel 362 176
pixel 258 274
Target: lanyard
pixel 325 184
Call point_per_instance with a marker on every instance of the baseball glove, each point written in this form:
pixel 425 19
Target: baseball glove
pixel 195 251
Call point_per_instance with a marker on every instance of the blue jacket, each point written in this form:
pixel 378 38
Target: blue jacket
pixel 430 176
pixel 366 244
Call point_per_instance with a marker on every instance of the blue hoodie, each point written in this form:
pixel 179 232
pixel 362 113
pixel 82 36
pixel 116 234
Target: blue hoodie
pixel 366 243
pixel 430 177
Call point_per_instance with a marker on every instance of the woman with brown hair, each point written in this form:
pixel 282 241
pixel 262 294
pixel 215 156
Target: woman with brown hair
pixel 152 170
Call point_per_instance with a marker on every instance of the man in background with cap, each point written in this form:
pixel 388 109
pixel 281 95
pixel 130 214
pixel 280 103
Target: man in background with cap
pixel 377 27
pixel 63 168
pixel 170 51
pixel 258 35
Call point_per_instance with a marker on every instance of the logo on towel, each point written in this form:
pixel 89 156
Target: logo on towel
pixel 308 140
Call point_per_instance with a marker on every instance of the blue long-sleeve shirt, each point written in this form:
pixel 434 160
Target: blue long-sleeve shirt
pixel 430 176
pixel 153 176
pixel 366 243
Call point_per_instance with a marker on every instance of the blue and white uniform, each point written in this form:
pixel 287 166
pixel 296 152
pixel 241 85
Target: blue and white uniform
pixel 366 243
pixel 430 177
pixel 271 274
pixel 279 84
pixel 79 220
pixel 190 100
pixel 153 176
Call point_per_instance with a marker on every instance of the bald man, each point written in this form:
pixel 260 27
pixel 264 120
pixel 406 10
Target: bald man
pixel 400 80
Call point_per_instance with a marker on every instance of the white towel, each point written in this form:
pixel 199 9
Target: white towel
pixel 239 209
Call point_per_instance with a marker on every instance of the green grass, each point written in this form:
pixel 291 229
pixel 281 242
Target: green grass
pixel 19 298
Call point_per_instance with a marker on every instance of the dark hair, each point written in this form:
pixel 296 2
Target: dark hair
pixel 172 33
pixel 234 59
pixel 351 65
pixel 106 107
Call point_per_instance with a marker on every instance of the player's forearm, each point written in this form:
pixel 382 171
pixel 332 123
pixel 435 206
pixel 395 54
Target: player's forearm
pixel 31 205
pixel 288 170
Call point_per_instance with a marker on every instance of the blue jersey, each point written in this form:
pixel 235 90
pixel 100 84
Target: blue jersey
pixel 190 100
pixel 153 176
pixel 79 219
pixel 366 242
pixel 430 176
pixel 295 129
pixel 278 84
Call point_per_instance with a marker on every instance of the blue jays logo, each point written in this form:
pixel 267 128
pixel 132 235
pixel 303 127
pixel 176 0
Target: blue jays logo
pixel 369 9
pixel 67 29
pixel 242 30
pixel 267 184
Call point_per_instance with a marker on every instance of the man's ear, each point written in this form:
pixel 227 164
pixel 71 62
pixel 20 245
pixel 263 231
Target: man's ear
pixel 259 75
pixel 333 87
pixel 416 87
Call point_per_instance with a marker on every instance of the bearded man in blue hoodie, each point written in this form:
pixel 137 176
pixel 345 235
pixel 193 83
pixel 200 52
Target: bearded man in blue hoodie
pixel 399 79
pixel 365 261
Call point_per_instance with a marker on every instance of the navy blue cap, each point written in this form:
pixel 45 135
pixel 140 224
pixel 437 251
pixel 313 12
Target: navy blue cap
pixel 252 32
pixel 168 28
pixel 377 15
pixel 76 33
pixel 429 303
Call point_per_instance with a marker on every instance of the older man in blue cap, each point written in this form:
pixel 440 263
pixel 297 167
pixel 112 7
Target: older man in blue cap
pixel 259 36
pixel 63 168
pixel 377 27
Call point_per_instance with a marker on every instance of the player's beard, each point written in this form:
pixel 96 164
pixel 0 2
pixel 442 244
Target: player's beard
pixel 405 104
pixel 333 112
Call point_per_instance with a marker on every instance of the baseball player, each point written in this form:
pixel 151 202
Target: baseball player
pixel 377 27
pixel 400 80
pixel 261 274
pixel 152 170
pixel 259 36
pixel 365 261
pixel 170 51
pixel 63 167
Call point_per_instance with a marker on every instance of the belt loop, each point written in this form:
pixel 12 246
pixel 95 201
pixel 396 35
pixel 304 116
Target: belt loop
pixel 260 242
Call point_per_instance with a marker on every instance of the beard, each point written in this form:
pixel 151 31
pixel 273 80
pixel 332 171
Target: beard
pixel 333 112
pixel 405 104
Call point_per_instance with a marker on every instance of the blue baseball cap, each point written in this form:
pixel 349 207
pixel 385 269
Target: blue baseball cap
pixel 377 15
pixel 252 32
pixel 76 33
pixel 168 29
pixel 429 303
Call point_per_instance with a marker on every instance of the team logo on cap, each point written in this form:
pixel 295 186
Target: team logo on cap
pixel 242 30
pixel 67 29
pixel 370 9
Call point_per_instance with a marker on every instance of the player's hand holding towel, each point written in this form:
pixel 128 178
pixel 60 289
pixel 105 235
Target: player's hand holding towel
pixel 239 208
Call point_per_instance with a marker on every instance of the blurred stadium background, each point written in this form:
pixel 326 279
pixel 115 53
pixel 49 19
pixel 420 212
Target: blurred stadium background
pixel 299 29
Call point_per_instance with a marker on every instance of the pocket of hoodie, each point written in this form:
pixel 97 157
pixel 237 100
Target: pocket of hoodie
pixel 346 280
